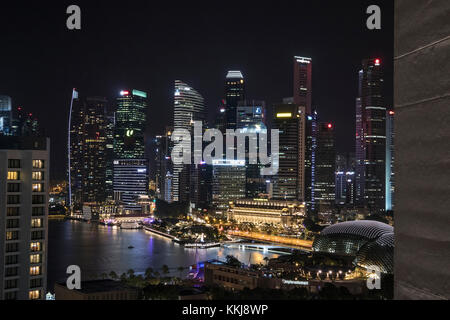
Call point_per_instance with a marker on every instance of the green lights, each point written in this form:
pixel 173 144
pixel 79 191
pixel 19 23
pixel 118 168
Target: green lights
pixel 139 93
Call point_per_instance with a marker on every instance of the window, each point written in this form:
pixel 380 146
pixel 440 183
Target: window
pixel 36 283
pixel 12 247
pixel 35 246
pixel 12 223
pixel 13 175
pixel 13 163
pixel 37 235
pixel 11 259
pixel 13 187
pixel 11 295
pixel 36 223
pixel 38 187
pixel 11 284
pixel 38 199
pixel 34 295
pixel 12 211
pixel 35 258
pixel 12 235
pixel 37 175
pixel 38 164
pixel 13 199
pixel 35 271
pixel 11 271
pixel 37 211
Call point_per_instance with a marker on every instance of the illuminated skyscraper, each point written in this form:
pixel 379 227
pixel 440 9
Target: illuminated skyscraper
pixel 163 163
pixel 289 183
pixel 390 186
pixel 325 161
pixel 228 182
pixel 303 83
pixel 130 164
pixel 130 117
pixel 88 150
pixel 234 93
pixel 371 138
pixel 5 115
pixel 251 120
pixel 24 180
pixel 188 107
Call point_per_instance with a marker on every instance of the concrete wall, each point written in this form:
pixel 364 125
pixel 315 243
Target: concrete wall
pixel 422 149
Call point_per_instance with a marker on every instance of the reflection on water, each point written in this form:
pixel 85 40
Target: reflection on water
pixel 101 249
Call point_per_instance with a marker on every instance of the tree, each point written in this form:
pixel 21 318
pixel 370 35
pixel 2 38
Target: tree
pixel 232 261
pixel 130 273
pixel 165 269
pixel 113 275
pixel 148 273
pixel 104 275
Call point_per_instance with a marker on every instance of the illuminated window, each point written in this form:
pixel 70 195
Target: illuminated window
pixel 35 258
pixel 38 164
pixel 13 175
pixel 37 187
pixel 35 246
pixel 35 271
pixel 38 175
pixel 36 223
pixel 34 295
pixel 12 235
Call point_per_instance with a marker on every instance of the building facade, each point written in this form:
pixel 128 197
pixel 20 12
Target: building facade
pixel 188 107
pixel 303 83
pixel 24 181
pixel 371 138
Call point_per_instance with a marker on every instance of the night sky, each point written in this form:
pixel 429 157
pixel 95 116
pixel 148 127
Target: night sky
pixel 136 44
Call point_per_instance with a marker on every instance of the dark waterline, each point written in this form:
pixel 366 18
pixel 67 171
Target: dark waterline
pixel 98 249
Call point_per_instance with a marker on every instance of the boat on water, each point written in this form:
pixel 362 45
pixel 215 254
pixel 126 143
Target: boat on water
pixel 130 225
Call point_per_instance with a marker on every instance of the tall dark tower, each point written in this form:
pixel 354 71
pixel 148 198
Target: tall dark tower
pixel 234 92
pixel 371 137
pixel 303 83
pixel 325 165
pixel 88 150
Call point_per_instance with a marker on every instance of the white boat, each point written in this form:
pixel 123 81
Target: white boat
pixel 130 225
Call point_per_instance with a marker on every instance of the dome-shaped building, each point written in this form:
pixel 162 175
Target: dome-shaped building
pixel 378 253
pixel 347 238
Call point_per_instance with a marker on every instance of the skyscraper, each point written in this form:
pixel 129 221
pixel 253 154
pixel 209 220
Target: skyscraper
pixel 163 163
pixel 325 160
pixel 188 107
pixel 24 177
pixel 371 138
pixel 234 92
pixel 130 164
pixel 228 182
pixel 289 183
pixel 390 185
pixel 88 150
pixel 131 117
pixel 5 115
pixel 303 83
pixel 250 119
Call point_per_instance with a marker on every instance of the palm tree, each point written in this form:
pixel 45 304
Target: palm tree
pixel 148 273
pixel 113 275
pixel 104 275
pixel 165 269
pixel 130 273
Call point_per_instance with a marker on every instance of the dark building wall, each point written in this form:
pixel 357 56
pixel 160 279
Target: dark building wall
pixel 422 131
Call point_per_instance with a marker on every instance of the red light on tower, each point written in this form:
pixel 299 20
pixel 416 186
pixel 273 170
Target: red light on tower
pixel 391 113
pixel 377 62
pixel 330 126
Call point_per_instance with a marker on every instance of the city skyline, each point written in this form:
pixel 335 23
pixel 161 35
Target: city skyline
pixel 263 53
